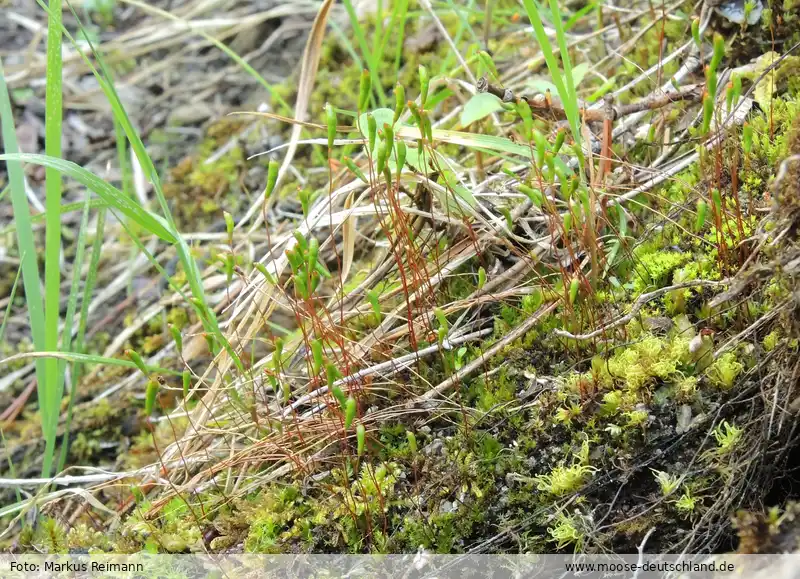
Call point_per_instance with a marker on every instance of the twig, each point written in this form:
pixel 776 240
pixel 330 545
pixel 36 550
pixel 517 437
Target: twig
pixel 65 480
pixel 427 399
pixel 547 105
pixel 640 302
pixel 640 559
pixel 655 181
pixel 750 329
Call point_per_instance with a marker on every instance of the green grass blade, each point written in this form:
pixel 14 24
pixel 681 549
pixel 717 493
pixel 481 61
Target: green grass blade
pixel 372 65
pixel 463 24
pixel 347 45
pixel 66 341
pixel 65 208
pixel 110 194
pixel 124 161
pixel 379 33
pixel 91 277
pixel 50 403
pixel 191 270
pixel 88 359
pixel 25 244
pixel 575 18
pixel 570 100
pixel 11 297
pixel 401 7
pixel 570 107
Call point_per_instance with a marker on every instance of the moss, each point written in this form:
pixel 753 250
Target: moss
pixel 196 188
pixel 83 447
pixel 178 317
pixel 497 463
pixel 47 536
pixel 638 366
pixel 773 530
pixel 500 389
pixel 564 480
pixel 277 517
pixel 175 530
pixel 786 72
pixel 143 448
pixel 654 266
pixel 81 537
pixel 770 137
pixel 771 340
pixel 216 178
pixel 724 371
pixel 566 530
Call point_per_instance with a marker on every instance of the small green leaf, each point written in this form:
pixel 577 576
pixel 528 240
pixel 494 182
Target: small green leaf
pixel 541 85
pixel 137 359
pixel 272 178
pixel 462 192
pixel 579 72
pixel 364 88
pixel 480 106
pixel 176 336
pixel 533 194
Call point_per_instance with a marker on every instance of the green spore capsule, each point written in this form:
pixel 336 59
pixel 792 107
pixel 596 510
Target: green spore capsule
pixel 361 434
pixel 272 178
pixel 573 290
pixel 331 120
pixel 137 359
pixel 412 441
pixel 399 102
pixel 364 88
pixel 349 412
pixel 702 213
pixel 424 82
pixel 150 397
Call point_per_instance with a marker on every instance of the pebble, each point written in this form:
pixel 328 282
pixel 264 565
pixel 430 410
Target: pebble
pixel 448 507
pixel 684 419
pixel 189 114
pixel 435 448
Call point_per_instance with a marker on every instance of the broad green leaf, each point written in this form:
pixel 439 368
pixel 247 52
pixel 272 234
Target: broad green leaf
pixel 542 85
pixel 471 140
pixel 113 196
pixel 579 72
pixel 382 117
pixel 480 106
pixel 462 192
